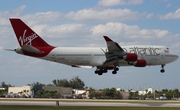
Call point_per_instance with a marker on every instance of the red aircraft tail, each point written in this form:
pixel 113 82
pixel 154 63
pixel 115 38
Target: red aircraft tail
pixel 25 35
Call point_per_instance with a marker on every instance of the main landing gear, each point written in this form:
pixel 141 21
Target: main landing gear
pixel 115 70
pixel 101 70
pixel 162 68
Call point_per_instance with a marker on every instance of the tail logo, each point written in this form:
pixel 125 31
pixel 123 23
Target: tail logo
pixel 27 40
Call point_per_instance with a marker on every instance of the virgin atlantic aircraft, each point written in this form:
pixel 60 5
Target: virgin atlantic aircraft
pixel 104 59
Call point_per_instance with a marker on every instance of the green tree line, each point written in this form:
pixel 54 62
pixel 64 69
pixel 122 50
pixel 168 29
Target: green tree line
pixel 75 83
pixel 107 93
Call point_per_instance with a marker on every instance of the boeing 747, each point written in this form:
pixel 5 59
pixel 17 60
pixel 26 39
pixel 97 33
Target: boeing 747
pixel 109 58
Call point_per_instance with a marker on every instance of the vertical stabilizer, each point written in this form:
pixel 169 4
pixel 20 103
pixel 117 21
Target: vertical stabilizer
pixel 25 35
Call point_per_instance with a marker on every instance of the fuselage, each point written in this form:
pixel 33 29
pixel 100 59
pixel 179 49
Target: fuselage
pixel 89 56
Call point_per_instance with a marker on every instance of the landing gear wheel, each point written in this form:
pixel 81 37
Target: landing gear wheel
pixel 114 72
pixel 105 71
pixel 162 71
pixel 96 72
pixel 117 69
pixel 100 73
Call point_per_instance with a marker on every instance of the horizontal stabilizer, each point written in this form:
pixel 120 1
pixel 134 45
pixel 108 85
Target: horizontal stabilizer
pixel 31 49
pixel 10 49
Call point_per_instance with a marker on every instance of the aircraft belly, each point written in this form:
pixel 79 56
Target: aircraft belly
pixel 123 63
pixel 97 60
pixel 74 60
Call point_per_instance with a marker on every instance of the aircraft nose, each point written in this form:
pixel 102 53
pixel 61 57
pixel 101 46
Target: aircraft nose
pixel 176 57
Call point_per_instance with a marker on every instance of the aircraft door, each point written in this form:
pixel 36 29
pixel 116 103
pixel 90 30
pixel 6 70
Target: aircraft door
pixel 53 57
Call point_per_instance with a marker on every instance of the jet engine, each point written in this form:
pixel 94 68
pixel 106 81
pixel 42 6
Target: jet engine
pixel 130 57
pixel 139 63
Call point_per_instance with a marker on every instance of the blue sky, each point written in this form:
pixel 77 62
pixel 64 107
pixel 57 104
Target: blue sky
pixel 83 23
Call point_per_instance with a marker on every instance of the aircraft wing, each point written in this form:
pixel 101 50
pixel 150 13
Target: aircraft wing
pixel 112 46
pixel 115 52
pixel 113 55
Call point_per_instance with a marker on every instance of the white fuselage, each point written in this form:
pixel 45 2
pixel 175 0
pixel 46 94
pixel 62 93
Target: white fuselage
pixel 89 56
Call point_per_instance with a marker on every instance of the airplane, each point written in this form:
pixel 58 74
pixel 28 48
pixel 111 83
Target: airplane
pixel 104 59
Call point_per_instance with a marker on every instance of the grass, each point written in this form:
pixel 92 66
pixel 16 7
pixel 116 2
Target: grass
pixel 15 107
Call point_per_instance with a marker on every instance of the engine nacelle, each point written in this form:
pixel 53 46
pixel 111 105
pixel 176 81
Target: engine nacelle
pixel 140 63
pixel 109 68
pixel 130 57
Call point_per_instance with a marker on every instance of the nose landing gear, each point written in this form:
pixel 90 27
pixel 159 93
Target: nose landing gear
pixel 162 70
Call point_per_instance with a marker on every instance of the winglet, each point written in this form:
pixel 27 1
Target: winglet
pixel 107 39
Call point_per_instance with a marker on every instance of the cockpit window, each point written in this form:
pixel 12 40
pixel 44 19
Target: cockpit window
pixel 167 48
